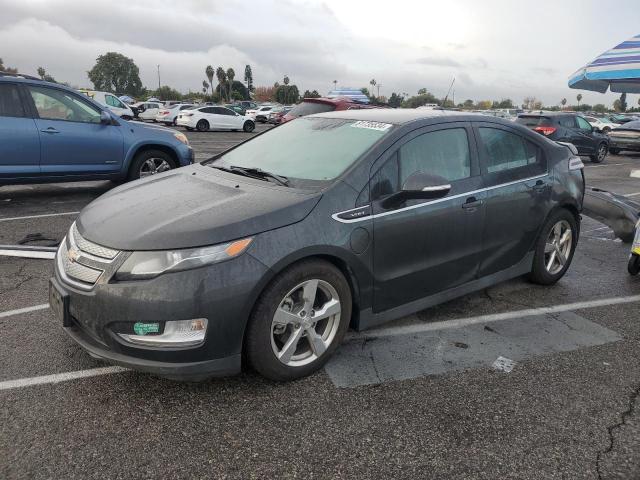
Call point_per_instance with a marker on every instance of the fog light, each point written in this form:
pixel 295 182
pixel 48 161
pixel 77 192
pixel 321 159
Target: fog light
pixel 177 333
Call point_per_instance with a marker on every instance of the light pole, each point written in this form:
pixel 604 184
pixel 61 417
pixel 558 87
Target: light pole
pixel 158 77
pixel 378 85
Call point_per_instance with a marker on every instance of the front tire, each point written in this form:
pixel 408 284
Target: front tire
pixel 614 151
pixel 249 126
pixel 299 321
pixel 554 248
pixel 633 267
pixel 150 162
pixel 601 153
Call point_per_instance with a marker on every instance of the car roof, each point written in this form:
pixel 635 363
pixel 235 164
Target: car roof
pixel 549 114
pixel 400 116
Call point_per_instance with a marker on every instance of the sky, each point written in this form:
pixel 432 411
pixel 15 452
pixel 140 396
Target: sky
pixel 493 48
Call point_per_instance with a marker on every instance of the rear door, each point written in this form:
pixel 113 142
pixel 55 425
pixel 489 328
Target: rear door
pixel 72 139
pixel 427 246
pixel 19 139
pixel 518 193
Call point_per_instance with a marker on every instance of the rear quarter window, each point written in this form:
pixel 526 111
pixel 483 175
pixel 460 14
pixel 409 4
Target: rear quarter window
pixel 507 151
pixel 309 108
pixel 10 103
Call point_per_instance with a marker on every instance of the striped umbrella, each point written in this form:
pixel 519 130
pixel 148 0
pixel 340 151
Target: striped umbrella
pixel 617 69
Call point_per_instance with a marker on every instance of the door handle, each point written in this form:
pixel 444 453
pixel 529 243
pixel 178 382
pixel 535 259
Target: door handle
pixel 50 130
pixel 471 203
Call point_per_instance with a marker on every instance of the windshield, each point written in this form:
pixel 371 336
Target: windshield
pixel 307 149
pixel 309 108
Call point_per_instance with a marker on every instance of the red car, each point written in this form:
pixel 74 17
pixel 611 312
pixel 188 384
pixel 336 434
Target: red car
pixel 309 106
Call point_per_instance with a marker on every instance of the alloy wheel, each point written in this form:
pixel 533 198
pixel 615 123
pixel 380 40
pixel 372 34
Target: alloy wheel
pixel 152 166
pixel 558 247
pixel 305 323
pixel 602 152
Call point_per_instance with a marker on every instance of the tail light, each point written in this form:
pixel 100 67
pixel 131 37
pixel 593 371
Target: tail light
pixel 575 163
pixel 546 131
pixel 164 112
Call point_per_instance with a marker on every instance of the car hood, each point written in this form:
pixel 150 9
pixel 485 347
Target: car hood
pixel 190 207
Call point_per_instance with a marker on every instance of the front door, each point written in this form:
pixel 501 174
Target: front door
pixel 72 139
pixel 427 246
pixel 518 195
pixel 582 137
pixel 19 139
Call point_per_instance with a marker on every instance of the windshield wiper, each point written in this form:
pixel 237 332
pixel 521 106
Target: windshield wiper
pixel 254 172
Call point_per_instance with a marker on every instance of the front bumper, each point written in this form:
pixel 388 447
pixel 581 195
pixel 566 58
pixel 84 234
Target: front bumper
pixel 624 143
pixel 222 293
pixel 186 122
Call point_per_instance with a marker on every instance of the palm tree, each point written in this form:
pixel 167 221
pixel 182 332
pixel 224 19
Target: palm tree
pixel 563 102
pixel 222 80
pixel 210 73
pixel 248 77
pixel 579 98
pixel 205 86
pixel 285 80
pixel 41 72
pixel 231 74
pixel 372 82
pixel 335 84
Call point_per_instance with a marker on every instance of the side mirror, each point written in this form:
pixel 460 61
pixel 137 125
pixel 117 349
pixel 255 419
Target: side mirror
pixel 419 185
pixel 105 118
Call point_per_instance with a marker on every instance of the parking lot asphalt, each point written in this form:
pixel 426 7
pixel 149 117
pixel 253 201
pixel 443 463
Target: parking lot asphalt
pixel 418 398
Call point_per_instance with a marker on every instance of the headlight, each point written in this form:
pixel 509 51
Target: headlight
pixel 145 265
pixel 181 137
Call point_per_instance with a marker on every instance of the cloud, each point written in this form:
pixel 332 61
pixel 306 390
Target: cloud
pixel 437 62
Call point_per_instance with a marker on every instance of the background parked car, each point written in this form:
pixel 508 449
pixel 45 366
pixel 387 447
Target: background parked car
pixel 277 114
pixel 169 115
pixel 214 118
pixel 601 124
pixel 248 104
pixel 309 106
pixel 239 109
pixel 112 102
pixel 625 137
pixel 261 114
pixel 147 110
pixel 571 128
pixel 49 132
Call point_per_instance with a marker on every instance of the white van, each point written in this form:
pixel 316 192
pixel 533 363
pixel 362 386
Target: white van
pixel 110 101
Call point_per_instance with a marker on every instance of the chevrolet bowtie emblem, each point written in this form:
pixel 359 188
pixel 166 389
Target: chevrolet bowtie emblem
pixel 73 255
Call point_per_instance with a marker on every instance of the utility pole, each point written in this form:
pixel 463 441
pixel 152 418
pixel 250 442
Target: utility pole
pixel 158 77
pixel 378 85
pixel 335 84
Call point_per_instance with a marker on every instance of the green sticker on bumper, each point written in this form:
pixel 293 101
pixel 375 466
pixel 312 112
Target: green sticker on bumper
pixel 145 328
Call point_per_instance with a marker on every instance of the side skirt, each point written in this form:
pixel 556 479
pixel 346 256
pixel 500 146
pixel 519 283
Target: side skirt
pixel 369 319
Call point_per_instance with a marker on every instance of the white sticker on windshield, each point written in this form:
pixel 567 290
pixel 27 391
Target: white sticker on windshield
pixel 372 125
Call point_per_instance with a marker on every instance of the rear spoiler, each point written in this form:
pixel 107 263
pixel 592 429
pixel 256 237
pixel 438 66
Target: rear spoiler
pixel 616 211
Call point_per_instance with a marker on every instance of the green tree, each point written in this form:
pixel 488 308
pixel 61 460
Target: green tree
pixel 248 78
pixel 286 94
pixel 423 91
pixel 579 98
pixel 419 100
pixel 365 91
pixel 115 73
pixel 599 108
pixel 563 102
pixel 623 102
pixel 395 100
pixel 238 91
pixel 484 104
pixel 468 104
pixel 222 80
pixel 7 69
pixel 210 72
pixel 373 84
pixel 313 94
pixel 166 93
pixel 505 103
pixel 205 85
pixel 45 76
pixel 231 74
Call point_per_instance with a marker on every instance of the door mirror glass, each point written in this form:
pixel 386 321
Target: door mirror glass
pixel 105 118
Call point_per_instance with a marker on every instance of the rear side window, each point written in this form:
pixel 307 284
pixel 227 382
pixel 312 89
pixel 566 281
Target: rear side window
pixel 567 122
pixel 309 108
pixel 443 152
pixel 10 104
pixel 533 121
pixel 507 151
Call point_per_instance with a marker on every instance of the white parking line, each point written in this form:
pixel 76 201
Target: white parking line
pixel 59 377
pixel 384 332
pixel 11 313
pixel 9 219
pixel 463 322
pixel 632 194
pixel 607 165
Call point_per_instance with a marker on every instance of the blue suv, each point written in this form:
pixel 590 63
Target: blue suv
pixel 52 133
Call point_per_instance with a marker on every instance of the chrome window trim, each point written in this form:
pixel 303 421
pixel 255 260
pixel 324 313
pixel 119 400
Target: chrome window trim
pixel 430 202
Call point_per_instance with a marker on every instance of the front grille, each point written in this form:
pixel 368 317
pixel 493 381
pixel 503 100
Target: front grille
pixel 81 262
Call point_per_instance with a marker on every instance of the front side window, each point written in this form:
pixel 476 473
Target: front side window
pixel 54 104
pixel 583 124
pixel 10 103
pixel 313 149
pixel 443 152
pixel 505 150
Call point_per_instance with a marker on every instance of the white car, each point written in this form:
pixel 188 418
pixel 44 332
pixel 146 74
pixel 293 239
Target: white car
pixel 601 124
pixel 214 118
pixel 148 110
pixel 169 115
pixel 260 114
pixel 112 102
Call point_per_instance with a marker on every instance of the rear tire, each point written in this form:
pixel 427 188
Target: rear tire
pixel 553 251
pixel 290 335
pixel 190 129
pixel 202 126
pixel 601 153
pixel 633 267
pixel 249 126
pixel 150 162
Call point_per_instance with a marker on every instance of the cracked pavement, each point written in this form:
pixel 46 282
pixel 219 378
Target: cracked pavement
pixel 562 415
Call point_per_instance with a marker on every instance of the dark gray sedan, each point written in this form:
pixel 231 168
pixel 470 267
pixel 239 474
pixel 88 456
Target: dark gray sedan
pixel 269 252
